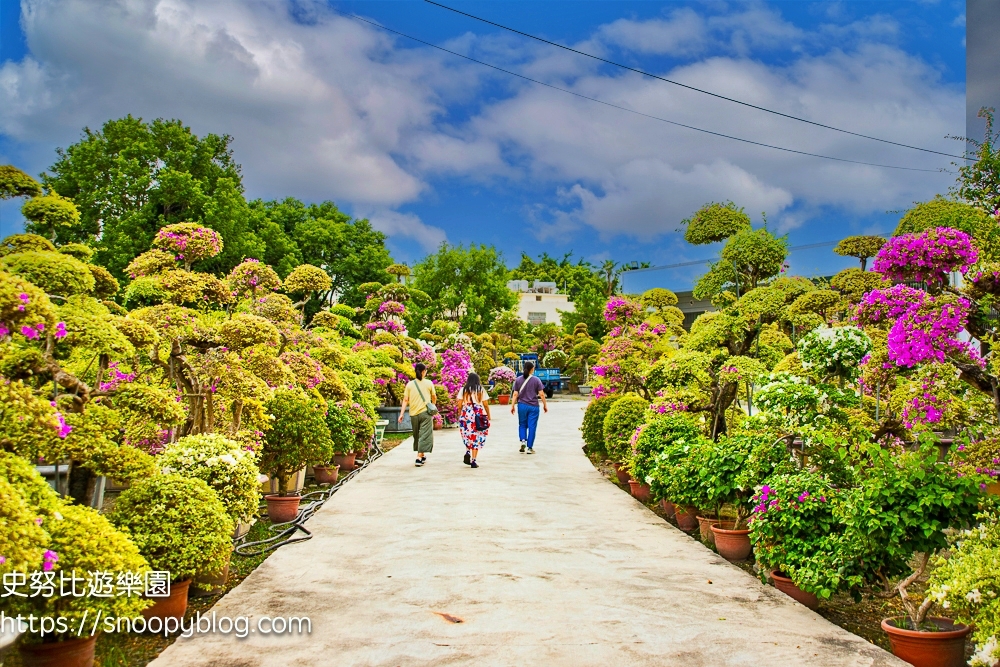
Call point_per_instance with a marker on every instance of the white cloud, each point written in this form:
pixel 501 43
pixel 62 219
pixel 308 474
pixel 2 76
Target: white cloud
pixel 333 109
pixel 406 225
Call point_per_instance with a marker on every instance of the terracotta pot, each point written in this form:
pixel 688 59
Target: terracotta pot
pixel 204 585
pixel 282 509
pixel 326 474
pixel 639 490
pixel 504 399
pixel 733 545
pixel 438 425
pixel 788 587
pixel 622 473
pixel 70 653
pixel 344 461
pixel 686 518
pixel 170 607
pixel 668 508
pixel 945 648
pixel 705 527
pixel 993 488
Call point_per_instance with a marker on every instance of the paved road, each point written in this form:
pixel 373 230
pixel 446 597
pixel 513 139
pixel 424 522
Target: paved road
pixel 542 560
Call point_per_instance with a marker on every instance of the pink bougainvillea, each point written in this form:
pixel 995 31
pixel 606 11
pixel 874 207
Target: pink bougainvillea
pixel 621 310
pixel 928 256
pixel 456 364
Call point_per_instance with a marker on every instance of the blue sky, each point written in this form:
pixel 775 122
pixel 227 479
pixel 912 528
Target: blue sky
pixel 431 147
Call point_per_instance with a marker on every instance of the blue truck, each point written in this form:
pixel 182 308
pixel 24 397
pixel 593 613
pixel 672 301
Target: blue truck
pixel 551 378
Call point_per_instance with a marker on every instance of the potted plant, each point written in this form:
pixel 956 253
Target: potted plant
pixel 229 470
pixel 966 584
pixel 502 378
pixel 41 533
pixel 896 515
pixel 351 430
pixel 797 538
pixel 730 470
pixel 299 435
pixel 593 425
pixel 675 476
pixel 626 415
pixel 181 527
pixel 648 441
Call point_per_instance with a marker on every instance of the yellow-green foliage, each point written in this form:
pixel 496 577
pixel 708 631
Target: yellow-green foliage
pixel 251 277
pixel 86 542
pixel 150 263
pixel 191 287
pixel 625 416
pixel 22 540
pixel 16 183
pixel 139 334
pixel 861 247
pixel 817 304
pixel 105 284
pixel 276 308
pixel 168 320
pixel 223 464
pixel 853 283
pixel 793 286
pixel 715 222
pixel 307 278
pixel 941 212
pixel 89 324
pixel 190 241
pixel 245 330
pixel 762 302
pixel 25 243
pixel 49 212
pixel 53 272
pixel 28 425
pixel 178 523
pixel 78 250
pixel 154 403
pixel 15 311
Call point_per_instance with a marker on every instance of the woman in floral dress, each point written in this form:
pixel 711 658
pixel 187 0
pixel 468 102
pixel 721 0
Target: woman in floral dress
pixel 475 403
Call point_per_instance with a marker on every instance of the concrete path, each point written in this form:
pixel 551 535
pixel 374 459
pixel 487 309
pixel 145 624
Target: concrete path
pixel 529 560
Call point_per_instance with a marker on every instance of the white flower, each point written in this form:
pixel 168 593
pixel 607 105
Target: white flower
pixel 974 596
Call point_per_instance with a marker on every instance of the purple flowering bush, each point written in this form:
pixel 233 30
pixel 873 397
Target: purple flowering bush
pixel 928 256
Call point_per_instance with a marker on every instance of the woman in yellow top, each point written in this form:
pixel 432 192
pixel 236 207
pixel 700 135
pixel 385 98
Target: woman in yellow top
pixel 416 396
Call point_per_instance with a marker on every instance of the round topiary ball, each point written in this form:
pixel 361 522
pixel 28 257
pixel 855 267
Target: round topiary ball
pixel 178 523
pixel 593 424
pixel 620 424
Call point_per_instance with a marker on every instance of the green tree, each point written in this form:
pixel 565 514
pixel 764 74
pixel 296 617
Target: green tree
pixel 15 183
pixel 468 285
pixel 979 182
pixel 131 178
pixel 579 279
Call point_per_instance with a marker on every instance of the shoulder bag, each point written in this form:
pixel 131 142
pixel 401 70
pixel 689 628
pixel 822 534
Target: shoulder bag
pixel 431 408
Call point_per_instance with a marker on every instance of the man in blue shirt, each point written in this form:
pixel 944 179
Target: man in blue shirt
pixel 528 391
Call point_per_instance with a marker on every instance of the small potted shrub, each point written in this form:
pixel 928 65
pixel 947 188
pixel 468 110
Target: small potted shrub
pixel 41 533
pixel 626 415
pixel 351 430
pixel 593 425
pixel 180 526
pixel 967 584
pixel 648 441
pixel 898 514
pixel 299 435
pixel 676 477
pixel 502 378
pixel 798 539
pixel 229 470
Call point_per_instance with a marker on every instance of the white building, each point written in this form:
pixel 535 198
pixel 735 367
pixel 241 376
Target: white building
pixel 541 302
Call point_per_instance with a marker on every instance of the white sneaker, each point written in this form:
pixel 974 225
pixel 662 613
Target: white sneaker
pixel 531 450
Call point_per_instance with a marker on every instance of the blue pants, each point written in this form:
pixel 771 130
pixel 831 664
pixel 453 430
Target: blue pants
pixel 527 423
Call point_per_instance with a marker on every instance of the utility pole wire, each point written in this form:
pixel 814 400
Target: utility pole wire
pixel 684 85
pixel 633 111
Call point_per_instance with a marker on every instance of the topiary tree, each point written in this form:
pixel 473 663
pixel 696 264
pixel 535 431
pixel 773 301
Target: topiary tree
pixel 593 424
pixel 78 250
pixel 57 274
pixel 250 277
pixel 620 425
pixel 178 523
pixel 25 243
pixel 306 280
pixel 400 271
pixel 15 183
pixel 299 435
pixel 715 222
pixel 228 469
pixel 862 247
pixel 48 213
pixel 188 242
pixel 351 428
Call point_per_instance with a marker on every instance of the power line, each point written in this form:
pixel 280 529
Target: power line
pixel 616 106
pixel 684 85
pixel 709 261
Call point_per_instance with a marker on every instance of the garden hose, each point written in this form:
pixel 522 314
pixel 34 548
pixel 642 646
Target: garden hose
pixel 295 531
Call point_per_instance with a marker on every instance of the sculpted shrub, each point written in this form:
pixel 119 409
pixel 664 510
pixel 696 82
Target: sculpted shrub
pixel 593 424
pixel 626 415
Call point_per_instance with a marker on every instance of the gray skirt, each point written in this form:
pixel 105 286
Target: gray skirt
pixel 423 432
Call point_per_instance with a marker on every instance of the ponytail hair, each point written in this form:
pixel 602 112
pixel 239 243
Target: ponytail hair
pixel 420 370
